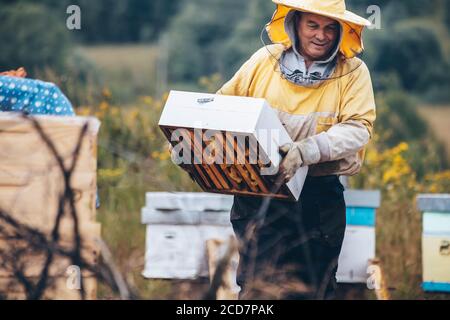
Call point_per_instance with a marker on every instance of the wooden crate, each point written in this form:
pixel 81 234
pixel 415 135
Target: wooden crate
pixel 31 184
pixel 28 170
pixel 31 261
pixel 243 179
pixel 233 143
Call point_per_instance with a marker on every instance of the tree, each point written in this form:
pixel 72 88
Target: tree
pixel 44 44
pixel 197 36
pixel 113 21
pixel 414 51
pixel 246 39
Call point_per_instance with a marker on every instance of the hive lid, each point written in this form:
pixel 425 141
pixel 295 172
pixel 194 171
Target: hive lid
pixel 434 202
pixel 15 121
pixel 200 110
pixel 188 201
pixel 362 198
pixel 182 217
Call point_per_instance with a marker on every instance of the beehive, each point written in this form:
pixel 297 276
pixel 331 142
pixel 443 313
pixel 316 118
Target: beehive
pixel 31 184
pixel 435 241
pixel 358 247
pixel 178 225
pixel 232 143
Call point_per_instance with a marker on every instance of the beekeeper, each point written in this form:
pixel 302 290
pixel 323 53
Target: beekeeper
pixel 323 95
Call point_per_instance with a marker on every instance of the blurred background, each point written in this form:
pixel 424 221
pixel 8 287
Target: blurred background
pixel 129 53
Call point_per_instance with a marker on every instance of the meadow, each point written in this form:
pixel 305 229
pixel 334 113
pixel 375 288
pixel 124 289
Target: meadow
pixel 438 117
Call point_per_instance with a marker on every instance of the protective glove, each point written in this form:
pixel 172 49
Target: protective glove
pixel 296 155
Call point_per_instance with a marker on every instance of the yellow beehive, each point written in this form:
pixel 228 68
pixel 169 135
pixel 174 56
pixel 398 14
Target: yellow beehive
pixel 435 242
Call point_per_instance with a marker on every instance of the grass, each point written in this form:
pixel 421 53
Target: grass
pixel 127 70
pixel 438 117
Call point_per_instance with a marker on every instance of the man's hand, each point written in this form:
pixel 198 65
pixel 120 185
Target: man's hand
pixel 296 155
pixel 292 160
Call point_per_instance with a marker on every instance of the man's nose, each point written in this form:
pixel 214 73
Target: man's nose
pixel 320 35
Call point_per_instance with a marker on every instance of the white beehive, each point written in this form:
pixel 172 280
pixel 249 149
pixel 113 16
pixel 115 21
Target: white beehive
pixel 359 241
pixel 217 128
pixel 179 224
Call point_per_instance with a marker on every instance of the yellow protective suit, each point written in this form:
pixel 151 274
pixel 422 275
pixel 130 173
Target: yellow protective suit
pixel 338 113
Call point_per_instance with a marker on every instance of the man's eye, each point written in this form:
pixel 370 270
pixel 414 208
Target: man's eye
pixel 313 26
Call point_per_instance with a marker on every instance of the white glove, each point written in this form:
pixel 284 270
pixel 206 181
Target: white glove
pixel 296 155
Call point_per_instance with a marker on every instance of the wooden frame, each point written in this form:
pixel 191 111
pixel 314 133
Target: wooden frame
pixel 235 179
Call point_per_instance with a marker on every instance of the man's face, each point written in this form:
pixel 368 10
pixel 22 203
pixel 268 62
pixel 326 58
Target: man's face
pixel 317 35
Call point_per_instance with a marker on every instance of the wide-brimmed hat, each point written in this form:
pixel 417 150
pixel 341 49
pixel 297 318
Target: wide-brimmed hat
pixel 352 24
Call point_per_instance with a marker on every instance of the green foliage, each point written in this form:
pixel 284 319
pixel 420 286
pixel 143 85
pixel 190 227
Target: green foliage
pixel 112 21
pixel 123 20
pixel 245 40
pixel 415 53
pixel 32 37
pixel 78 79
pixel 400 9
pixel 398 121
pixel 197 36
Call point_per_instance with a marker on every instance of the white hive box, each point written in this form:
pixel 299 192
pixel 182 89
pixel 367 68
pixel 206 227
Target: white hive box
pixel 178 226
pixel 435 241
pixel 217 128
pixel 359 241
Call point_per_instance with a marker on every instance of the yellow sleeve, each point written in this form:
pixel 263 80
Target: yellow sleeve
pixel 347 138
pixel 358 102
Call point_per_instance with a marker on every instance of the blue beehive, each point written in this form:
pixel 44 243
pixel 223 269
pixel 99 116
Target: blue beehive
pixel 361 207
pixel 435 241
